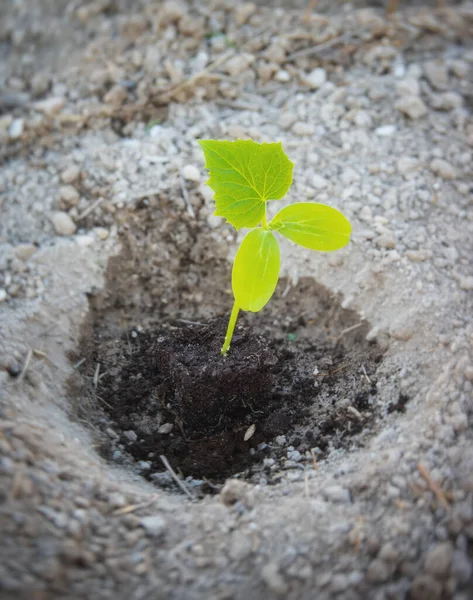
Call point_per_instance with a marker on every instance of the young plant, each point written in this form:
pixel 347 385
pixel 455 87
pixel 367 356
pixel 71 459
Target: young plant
pixel 244 175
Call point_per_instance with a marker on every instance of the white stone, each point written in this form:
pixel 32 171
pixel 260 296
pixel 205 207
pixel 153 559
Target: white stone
pixel 466 283
pixel 101 233
pixel 115 95
pixel 412 106
pixel 275 53
pixel 336 493
pixel 301 128
pixel 16 129
pixel 386 240
pixel 154 525
pixel 407 164
pixel 282 76
pixel 70 174
pixel 286 120
pixel 191 173
pixel 238 64
pixel 274 580
pixel 385 130
pixel 69 195
pixel 144 465
pixel 166 428
pixel 408 86
pixel 50 106
pixel 315 78
pixel 436 73
pixel 63 224
pixel 243 12
pixel 318 182
pixel 443 168
pixel 84 240
pixel 39 84
pixel 446 101
pixel 459 68
pixel 25 251
pixel 363 119
pixel 3 295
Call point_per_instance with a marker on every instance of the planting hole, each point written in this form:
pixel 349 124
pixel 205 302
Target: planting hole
pixel 299 381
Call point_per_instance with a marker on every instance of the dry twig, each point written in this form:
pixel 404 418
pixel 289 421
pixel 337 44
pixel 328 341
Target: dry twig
pixel 179 482
pixel 434 487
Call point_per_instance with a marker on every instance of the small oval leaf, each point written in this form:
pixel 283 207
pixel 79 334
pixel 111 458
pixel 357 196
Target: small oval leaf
pixel 256 270
pixel 312 225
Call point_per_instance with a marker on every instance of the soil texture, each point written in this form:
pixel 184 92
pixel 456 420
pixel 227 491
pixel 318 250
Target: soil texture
pixel 173 394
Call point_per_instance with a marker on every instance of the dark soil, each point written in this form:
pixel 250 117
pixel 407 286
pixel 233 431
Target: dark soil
pixel 177 376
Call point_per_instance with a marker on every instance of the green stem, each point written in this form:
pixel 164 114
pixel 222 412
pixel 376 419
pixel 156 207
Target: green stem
pixel 264 224
pixel 230 329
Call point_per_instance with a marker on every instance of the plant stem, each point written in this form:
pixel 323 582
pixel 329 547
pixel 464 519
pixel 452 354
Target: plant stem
pixel 264 224
pixel 230 329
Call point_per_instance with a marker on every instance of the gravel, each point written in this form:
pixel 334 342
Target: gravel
pixel 63 224
pixel 154 525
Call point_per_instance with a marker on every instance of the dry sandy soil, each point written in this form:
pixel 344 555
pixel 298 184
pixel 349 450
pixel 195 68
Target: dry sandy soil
pixel 358 480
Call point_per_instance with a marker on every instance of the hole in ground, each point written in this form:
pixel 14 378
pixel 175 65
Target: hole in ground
pixel 300 380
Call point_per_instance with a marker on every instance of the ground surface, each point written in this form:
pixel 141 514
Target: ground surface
pixel 107 237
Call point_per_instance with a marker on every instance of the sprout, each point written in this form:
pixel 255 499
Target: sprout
pixel 244 175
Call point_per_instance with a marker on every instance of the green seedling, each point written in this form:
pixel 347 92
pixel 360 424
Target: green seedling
pixel 244 175
pixel 152 123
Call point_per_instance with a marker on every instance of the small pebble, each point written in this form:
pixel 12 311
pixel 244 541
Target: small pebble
pixel 115 95
pixel 337 494
pixel 385 130
pixel 143 465
pixel 243 12
pixel 318 182
pixel 408 86
pixel 154 525
pixel 302 129
pixel 412 106
pixel 39 84
pixel 191 173
pixel 69 195
pixel 70 175
pixel 282 76
pixel 130 435
pixel 274 580
pixel 443 168
pixel 439 559
pixel 436 73
pixel 166 428
pixel 378 571
pixel 16 129
pixel 25 251
pixel 101 233
pixel 63 224
pixel 50 106
pixel 236 65
pixel 315 79
pixel 425 587
pixel 466 283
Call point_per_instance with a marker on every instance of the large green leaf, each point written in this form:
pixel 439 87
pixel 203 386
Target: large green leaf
pixel 256 270
pixel 244 175
pixel 312 225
